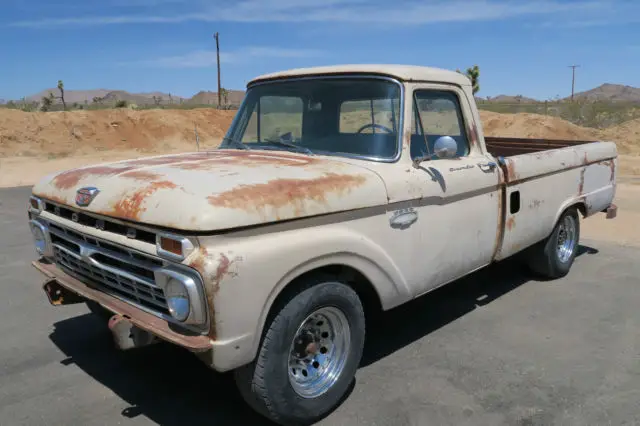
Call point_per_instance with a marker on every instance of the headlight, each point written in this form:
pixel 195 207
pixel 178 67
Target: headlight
pixel 41 238
pixel 177 298
pixel 184 295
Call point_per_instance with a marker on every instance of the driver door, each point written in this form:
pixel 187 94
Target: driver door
pixel 456 200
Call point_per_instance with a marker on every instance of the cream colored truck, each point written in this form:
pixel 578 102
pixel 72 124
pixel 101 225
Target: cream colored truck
pixel 336 193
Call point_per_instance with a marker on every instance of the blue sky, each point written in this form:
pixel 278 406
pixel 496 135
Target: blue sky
pixel 522 47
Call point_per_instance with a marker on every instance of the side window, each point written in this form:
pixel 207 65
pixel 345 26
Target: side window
pixel 436 113
pixel 273 117
pixel 357 114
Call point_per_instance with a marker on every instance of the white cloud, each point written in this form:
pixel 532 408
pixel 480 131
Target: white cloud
pixel 207 58
pixel 413 12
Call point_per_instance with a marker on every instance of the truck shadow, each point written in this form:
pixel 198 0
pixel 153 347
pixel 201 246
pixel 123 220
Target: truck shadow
pixel 170 386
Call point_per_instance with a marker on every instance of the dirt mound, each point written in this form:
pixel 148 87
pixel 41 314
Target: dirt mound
pixel 525 125
pixel 61 134
pixel 626 136
pixel 64 133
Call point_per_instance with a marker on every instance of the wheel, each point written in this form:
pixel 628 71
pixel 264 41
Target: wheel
pixel 554 256
pixel 308 356
pixel 98 310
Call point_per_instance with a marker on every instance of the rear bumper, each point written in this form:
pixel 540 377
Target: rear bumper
pixel 141 319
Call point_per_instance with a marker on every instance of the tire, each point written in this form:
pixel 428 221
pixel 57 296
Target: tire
pixel 98 310
pixel 545 258
pixel 271 386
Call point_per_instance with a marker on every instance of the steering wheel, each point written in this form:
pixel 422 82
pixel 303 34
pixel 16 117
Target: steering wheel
pixel 377 126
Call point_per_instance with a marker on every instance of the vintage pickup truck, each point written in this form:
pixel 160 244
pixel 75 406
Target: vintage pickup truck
pixel 337 193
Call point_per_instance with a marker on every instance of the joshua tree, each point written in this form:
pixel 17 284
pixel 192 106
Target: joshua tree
pixel 61 89
pixel 474 75
pixel 46 102
pixel 225 95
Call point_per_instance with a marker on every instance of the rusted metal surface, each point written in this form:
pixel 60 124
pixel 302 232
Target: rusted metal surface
pixel 612 211
pixel 221 190
pixel 279 193
pixel 511 223
pixel 536 165
pixel 131 206
pixel 71 178
pixel 473 134
pixel 581 181
pixel 213 269
pixel 138 317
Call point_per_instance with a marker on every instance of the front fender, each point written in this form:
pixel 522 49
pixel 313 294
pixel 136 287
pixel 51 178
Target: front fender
pixel 244 274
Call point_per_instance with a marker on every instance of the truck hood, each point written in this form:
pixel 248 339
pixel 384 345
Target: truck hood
pixel 221 189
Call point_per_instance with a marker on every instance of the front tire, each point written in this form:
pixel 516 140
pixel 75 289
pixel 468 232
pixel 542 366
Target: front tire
pixel 308 356
pixel 553 257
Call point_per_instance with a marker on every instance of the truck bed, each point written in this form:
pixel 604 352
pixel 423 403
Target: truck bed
pixel 506 147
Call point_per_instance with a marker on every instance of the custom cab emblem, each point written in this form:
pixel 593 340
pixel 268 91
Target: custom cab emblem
pixel 84 196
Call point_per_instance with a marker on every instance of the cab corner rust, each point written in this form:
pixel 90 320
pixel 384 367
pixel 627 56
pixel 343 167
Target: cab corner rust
pixel 511 223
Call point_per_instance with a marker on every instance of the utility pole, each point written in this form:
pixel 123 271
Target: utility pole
pixel 573 79
pixel 216 36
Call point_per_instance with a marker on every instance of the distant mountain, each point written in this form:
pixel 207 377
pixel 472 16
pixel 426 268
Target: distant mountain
pixel 510 99
pixel 205 97
pixel 611 92
pixel 107 96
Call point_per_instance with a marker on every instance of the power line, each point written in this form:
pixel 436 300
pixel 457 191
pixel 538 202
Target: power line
pixel 216 36
pixel 573 79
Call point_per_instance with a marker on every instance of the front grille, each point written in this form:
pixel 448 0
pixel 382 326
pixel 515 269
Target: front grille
pixel 108 267
pixel 102 224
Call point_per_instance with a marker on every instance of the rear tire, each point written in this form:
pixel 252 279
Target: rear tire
pixel 553 257
pixel 308 356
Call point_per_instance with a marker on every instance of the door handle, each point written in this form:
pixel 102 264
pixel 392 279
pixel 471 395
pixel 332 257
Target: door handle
pixel 489 165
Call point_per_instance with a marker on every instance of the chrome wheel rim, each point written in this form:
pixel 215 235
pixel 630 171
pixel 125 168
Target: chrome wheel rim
pixel 566 238
pixel 319 352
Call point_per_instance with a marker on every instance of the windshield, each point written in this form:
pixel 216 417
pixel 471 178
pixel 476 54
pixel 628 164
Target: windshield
pixel 335 116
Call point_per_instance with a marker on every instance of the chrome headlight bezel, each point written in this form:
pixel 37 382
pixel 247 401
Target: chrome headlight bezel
pixel 194 289
pixel 47 251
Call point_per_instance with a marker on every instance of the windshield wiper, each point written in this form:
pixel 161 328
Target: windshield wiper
pixel 236 143
pixel 284 142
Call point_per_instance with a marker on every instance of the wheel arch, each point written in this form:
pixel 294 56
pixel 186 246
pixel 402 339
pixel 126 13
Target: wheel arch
pixel 372 284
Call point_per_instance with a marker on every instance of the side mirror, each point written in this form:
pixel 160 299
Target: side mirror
pixel 445 147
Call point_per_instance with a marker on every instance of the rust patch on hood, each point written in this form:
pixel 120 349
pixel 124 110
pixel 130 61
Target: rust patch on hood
pixel 130 207
pixel 278 193
pixel 143 175
pixel 248 159
pixel 71 178
pixel 511 223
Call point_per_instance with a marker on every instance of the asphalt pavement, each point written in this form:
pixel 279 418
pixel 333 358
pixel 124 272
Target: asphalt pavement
pixel 496 348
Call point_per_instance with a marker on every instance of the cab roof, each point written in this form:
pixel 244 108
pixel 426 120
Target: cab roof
pixel 400 72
